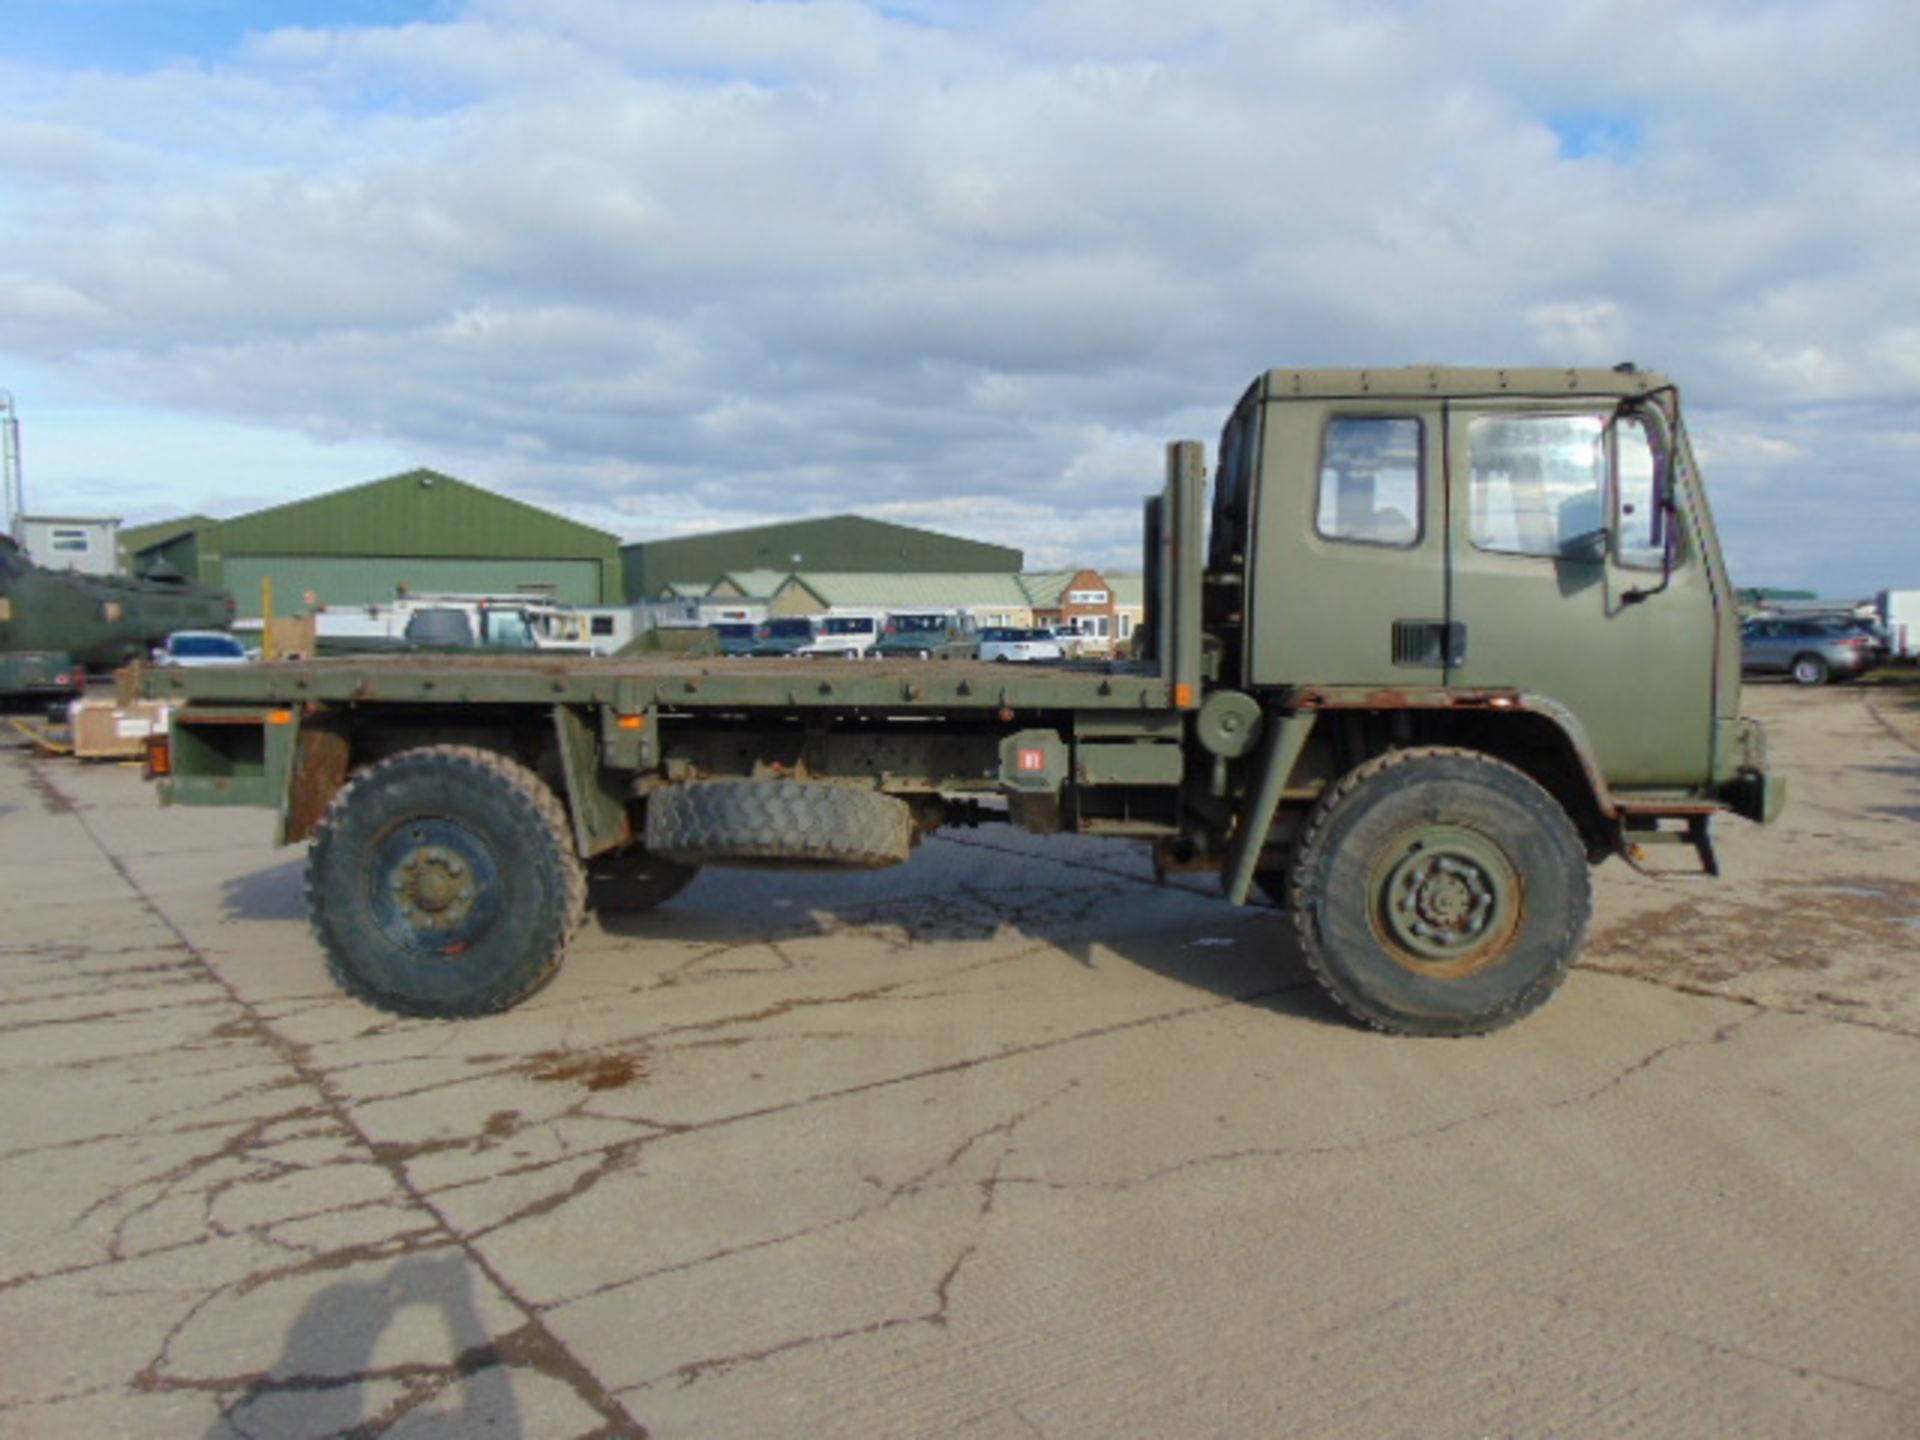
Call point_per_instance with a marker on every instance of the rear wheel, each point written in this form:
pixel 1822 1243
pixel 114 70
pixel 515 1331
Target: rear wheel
pixel 442 882
pixel 1809 670
pixel 1440 892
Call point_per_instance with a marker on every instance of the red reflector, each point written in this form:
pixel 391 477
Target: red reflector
pixel 159 757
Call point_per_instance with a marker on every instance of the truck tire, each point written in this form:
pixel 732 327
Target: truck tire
pixel 633 880
pixel 1440 892
pixel 442 882
pixel 806 822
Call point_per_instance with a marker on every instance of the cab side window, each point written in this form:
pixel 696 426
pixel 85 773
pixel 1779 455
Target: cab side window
pixel 1538 483
pixel 1370 468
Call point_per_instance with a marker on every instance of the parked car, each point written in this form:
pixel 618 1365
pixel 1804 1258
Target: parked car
pixel 1073 644
pixel 784 636
pixel 850 636
pixel 201 647
pixel 927 635
pixel 1811 651
pixel 1880 643
pixel 1026 645
pixel 736 637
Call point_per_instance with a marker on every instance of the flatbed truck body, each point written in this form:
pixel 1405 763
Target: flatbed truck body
pixel 1445 639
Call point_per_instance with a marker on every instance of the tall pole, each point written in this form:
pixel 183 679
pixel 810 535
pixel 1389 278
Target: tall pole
pixel 10 463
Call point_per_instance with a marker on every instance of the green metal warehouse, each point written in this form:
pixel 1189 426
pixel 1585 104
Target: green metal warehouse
pixel 833 543
pixel 423 530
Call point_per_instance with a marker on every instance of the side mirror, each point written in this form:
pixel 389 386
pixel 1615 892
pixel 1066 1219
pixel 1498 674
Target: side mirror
pixel 1588 548
pixel 1662 527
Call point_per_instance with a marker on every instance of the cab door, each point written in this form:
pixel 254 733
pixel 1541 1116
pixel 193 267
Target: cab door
pixel 1349 570
pixel 1558 553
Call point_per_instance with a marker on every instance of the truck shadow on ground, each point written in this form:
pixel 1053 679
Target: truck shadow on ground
pixel 1179 930
pixel 275 893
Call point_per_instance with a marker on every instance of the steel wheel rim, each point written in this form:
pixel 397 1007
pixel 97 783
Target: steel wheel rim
pixel 434 887
pixel 1445 901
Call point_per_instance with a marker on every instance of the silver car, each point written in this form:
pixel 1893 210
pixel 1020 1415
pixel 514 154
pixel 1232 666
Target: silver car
pixel 1022 645
pixel 1811 651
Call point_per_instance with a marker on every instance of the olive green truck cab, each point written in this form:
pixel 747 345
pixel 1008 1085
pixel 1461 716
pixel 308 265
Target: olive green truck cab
pixel 1436 643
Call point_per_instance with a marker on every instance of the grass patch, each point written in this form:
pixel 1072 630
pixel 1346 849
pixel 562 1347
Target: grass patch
pixel 1893 677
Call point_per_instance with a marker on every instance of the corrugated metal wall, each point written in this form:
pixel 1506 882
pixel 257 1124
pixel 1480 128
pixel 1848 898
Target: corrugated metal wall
pixel 367 580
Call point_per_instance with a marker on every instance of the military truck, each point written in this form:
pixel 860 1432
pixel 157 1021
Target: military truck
pixel 54 624
pixel 1450 638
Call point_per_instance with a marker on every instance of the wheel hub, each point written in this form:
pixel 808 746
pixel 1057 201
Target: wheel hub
pixel 435 886
pixel 1448 899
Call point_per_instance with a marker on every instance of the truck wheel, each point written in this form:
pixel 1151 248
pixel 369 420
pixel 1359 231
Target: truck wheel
pixel 443 882
pixel 635 879
pixel 1440 892
pixel 1809 670
pixel 797 821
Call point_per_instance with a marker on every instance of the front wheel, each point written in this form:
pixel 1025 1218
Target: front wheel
pixel 1440 892
pixel 1809 670
pixel 442 882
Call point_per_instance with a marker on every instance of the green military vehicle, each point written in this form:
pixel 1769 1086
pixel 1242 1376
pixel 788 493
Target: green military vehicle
pixel 56 623
pixel 1450 638
pixel 39 675
pixel 927 635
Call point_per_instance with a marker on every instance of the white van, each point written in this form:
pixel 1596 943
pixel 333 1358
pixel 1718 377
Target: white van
pixel 847 636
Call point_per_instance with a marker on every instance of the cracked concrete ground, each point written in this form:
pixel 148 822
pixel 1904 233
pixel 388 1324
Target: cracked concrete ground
pixel 1006 1142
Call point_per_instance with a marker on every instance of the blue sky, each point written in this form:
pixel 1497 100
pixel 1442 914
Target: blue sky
pixel 136 35
pixel 668 265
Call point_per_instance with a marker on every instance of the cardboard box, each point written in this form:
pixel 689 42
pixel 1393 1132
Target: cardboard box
pixel 104 730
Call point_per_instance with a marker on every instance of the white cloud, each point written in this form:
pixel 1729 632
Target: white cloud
pixel 693 262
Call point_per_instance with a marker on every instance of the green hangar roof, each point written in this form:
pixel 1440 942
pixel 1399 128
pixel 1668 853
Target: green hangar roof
pixel 846 543
pixel 421 512
pixel 421 530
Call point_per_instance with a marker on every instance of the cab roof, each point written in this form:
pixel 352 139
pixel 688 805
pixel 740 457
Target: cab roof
pixel 1447 381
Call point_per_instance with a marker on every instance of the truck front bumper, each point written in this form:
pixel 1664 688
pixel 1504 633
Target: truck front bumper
pixel 1755 792
pixel 1757 795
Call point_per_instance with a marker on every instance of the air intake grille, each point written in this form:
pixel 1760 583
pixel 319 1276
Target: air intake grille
pixel 1432 644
